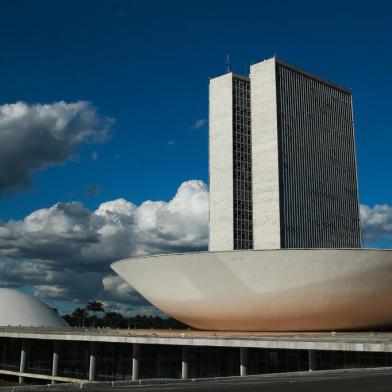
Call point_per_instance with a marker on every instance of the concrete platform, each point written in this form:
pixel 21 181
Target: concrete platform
pixel 339 341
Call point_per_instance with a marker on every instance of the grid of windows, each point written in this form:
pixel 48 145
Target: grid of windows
pixel 242 165
pixel 318 183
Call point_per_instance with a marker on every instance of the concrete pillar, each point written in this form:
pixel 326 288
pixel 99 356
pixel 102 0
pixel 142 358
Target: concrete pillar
pixel 185 363
pixel 273 364
pixel 243 361
pixel 158 364
pixel 135 361
pixel 4 354
pixel 55 361
pixel 23 361
pixel 91 371
pixel 119 363
pixel 312 360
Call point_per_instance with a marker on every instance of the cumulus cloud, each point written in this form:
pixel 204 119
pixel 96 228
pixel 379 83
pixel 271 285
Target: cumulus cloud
pixel 199 123
pixel 34 137
pixel 64 251
pixel 118 288
pixel 376 223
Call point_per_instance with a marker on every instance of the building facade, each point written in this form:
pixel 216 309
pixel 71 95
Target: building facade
pixel 282 161
pixel 230 163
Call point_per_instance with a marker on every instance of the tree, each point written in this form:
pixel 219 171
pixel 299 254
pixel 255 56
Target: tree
pixel 113 320
pixel 78 317
pixel 95 306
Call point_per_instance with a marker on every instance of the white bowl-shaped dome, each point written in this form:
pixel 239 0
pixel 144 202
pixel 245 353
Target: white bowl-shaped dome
pixel 269 290
pixel 19 309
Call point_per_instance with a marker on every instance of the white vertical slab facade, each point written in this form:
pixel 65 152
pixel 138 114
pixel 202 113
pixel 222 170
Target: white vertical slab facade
pixel 265 169
pixel 221 163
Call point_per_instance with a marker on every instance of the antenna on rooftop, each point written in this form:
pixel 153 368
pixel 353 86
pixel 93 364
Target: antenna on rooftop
pixel 227 63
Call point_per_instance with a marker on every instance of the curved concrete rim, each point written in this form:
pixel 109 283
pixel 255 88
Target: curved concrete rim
pixel 161 255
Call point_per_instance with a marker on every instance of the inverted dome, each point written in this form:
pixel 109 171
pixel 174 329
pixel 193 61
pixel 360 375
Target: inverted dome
pixel 269 290
pixel 19 309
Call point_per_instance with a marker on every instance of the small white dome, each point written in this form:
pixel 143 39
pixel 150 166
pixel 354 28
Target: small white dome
pixel 19 309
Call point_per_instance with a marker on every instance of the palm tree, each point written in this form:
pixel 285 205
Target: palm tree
pixel 95 306
pixel 79 315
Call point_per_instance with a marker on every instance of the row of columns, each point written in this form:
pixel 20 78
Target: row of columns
pixel 244 360
pixel 23 360
pixel 136 361
pixel 93 360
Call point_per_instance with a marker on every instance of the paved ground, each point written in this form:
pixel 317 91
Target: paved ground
pixel 379 382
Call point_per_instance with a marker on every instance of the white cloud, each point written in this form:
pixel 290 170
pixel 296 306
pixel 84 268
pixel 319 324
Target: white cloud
pixel 116 207
pixel 118 288
pixel 64 251
pixel 376 223
pixel 199 123
pixel 50 292
pixel 34 137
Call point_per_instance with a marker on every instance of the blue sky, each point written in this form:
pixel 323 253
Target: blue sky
pixel 144 66
pixel 147 64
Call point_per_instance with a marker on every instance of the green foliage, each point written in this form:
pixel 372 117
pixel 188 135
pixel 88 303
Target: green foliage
pixel 95 306
pixel 77 318
pixel 81 317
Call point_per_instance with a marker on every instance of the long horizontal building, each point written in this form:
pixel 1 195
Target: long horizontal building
pixel 82 355
pixel 282 161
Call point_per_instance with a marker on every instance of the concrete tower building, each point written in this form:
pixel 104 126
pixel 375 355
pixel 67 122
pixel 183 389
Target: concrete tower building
pixel 282 181
pixel 282 161
pixel 230 151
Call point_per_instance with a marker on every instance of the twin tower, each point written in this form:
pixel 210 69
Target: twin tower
pixel 282 161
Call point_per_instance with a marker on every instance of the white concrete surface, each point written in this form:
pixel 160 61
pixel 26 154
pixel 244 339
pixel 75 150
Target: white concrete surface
pixel 337 341
pixel 268 290
pixel 221 163
pixel 39 377
pixel 19 309
pixel 265 169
